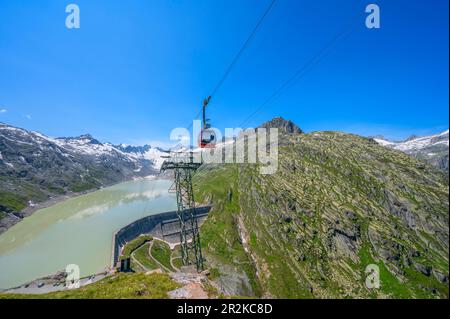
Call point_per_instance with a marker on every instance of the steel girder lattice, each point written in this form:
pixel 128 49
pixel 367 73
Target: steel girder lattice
pixel 191 252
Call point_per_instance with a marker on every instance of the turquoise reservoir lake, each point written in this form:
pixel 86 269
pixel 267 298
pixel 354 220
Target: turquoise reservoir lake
pixel 78 230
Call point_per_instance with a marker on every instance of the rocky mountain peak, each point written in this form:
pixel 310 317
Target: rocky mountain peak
pixel 89 138
pixel 85 139
pixel 412 137
pixel 286 126
pixel 133 149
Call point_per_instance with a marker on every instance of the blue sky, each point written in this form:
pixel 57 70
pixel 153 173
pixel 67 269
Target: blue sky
pixel 137 69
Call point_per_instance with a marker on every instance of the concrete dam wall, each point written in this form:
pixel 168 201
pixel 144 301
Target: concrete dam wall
pixel 164 226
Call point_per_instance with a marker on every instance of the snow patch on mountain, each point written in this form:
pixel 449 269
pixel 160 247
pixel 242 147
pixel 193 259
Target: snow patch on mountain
pixel 433 148
pixel 146 152
pixel 417 143
pixel 85 145
pixel 384 142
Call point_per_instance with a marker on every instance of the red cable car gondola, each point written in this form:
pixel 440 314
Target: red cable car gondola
pixel 207 138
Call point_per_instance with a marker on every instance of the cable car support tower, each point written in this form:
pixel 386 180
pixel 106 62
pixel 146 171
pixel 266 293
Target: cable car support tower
pixel 191 252
pixel 183 167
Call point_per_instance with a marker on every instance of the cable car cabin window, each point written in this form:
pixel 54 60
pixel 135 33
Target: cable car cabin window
pixel 207 139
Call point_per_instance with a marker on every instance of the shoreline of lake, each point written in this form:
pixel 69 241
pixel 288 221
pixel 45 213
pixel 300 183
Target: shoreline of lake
pixel 78 230
pixel 31 209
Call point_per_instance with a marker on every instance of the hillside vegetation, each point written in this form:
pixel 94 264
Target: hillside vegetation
pixel 120 286
pixel 337 203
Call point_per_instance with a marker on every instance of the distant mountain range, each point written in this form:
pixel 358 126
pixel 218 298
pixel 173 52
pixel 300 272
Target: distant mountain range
pixel 433 148
pixel 35 167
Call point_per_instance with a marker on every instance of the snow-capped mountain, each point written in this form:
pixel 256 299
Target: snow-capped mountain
pixel 34 167
pixel 146 152
pixel 433 149
pixel 84 145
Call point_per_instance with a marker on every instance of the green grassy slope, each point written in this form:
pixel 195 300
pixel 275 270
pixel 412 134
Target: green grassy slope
pixel 161 252
pixel 120 286
pixel 337 203
pixel 142 256
pixel 134 244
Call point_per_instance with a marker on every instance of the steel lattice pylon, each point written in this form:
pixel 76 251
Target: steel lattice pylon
pixel 191 252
